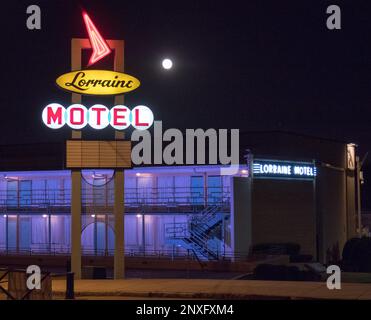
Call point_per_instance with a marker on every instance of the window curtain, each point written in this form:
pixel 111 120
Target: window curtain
pixel 39 232
pixel 53 190
pixel 25 232
pixel 165 189
pixel 66 193
pixel 60 236
pixel 12 232
pixel 145 190
pixel 182 189
pixel 214 189
pixel 39 191
pixel 2 232
pixel 130 190
pixel 133 231
pixel 12 193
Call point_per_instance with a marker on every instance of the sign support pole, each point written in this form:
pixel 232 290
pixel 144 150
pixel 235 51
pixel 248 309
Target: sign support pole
pixel 119 262
pixel 119 178
pixel 76 223
pixel 77 45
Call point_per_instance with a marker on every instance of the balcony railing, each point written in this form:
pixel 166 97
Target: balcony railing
pixel 129 252
pixel 102 199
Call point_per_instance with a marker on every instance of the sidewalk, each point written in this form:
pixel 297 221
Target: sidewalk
pixel 212 289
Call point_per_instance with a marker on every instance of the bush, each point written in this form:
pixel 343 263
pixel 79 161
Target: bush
pixel 349 249
pixel 357 255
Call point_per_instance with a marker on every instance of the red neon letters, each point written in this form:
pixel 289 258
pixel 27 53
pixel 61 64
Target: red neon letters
pixel 77 116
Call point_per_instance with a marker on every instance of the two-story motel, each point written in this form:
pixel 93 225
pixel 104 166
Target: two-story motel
pixel 291 188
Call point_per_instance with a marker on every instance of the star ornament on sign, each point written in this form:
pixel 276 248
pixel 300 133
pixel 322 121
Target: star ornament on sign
pixel 97 42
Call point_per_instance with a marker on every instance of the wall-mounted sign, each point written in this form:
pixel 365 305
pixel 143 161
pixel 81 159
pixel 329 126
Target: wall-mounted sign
pixel 97 82
pixel 283 169
pixel 351 156
pixel 77 116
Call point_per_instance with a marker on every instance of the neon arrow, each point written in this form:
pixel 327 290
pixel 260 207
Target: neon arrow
pixel 98 44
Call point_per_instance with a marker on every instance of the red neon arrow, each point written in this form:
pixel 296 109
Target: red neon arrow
pixel 98 44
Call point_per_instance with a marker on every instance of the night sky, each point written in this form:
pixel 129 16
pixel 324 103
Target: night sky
pixel 252 65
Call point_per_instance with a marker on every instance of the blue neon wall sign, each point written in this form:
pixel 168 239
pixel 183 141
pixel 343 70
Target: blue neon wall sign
pixel 284 169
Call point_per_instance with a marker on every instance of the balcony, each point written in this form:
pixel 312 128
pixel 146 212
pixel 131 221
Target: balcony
pixel 100 200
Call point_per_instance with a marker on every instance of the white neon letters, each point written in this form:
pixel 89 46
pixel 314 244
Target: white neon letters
pixel 77 116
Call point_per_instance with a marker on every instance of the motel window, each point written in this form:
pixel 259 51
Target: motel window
pixel 182 190
pixel 12 193
pixel 3 232
pixel 12 233
pixel 130 190
pixel 214 189
pixel 197 190
pixel 165 189
pixel 25 192
pixel 24 232
pixel 53 188
pixel 19 193
pixel 39 231
pixel 145 189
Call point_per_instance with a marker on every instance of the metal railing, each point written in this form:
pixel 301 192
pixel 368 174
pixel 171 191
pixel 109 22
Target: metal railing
pixel 165 254
pixel 54 200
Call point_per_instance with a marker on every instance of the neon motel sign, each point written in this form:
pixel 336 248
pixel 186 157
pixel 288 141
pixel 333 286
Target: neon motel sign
pixel 283 169
pixel 77 116
pixel 97 82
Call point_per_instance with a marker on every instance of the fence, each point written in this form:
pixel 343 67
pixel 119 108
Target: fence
pixel 17 289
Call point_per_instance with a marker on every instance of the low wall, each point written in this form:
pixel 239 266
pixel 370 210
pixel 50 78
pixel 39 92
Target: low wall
pixel 45 261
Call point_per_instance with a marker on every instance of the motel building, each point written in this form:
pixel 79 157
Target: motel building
pixel 83 198
pixel 289 189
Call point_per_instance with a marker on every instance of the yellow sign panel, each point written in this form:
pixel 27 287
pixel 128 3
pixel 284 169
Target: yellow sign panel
pixel 97 82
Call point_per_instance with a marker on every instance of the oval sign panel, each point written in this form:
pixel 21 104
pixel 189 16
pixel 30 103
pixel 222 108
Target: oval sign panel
pixel 97 82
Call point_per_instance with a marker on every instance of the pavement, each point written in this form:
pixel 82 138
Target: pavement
pixel 210 289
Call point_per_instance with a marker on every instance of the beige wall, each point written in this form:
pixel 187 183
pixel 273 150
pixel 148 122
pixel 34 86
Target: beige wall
pixel 332 210
pixel 352 216
pixel 283 211
pixel 241 217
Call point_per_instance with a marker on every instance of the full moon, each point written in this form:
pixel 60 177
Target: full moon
pixel 167 64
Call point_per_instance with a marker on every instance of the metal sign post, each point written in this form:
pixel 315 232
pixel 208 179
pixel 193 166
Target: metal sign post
pixel 77 45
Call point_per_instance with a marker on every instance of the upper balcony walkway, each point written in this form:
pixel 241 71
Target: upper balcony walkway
pixel 100 200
